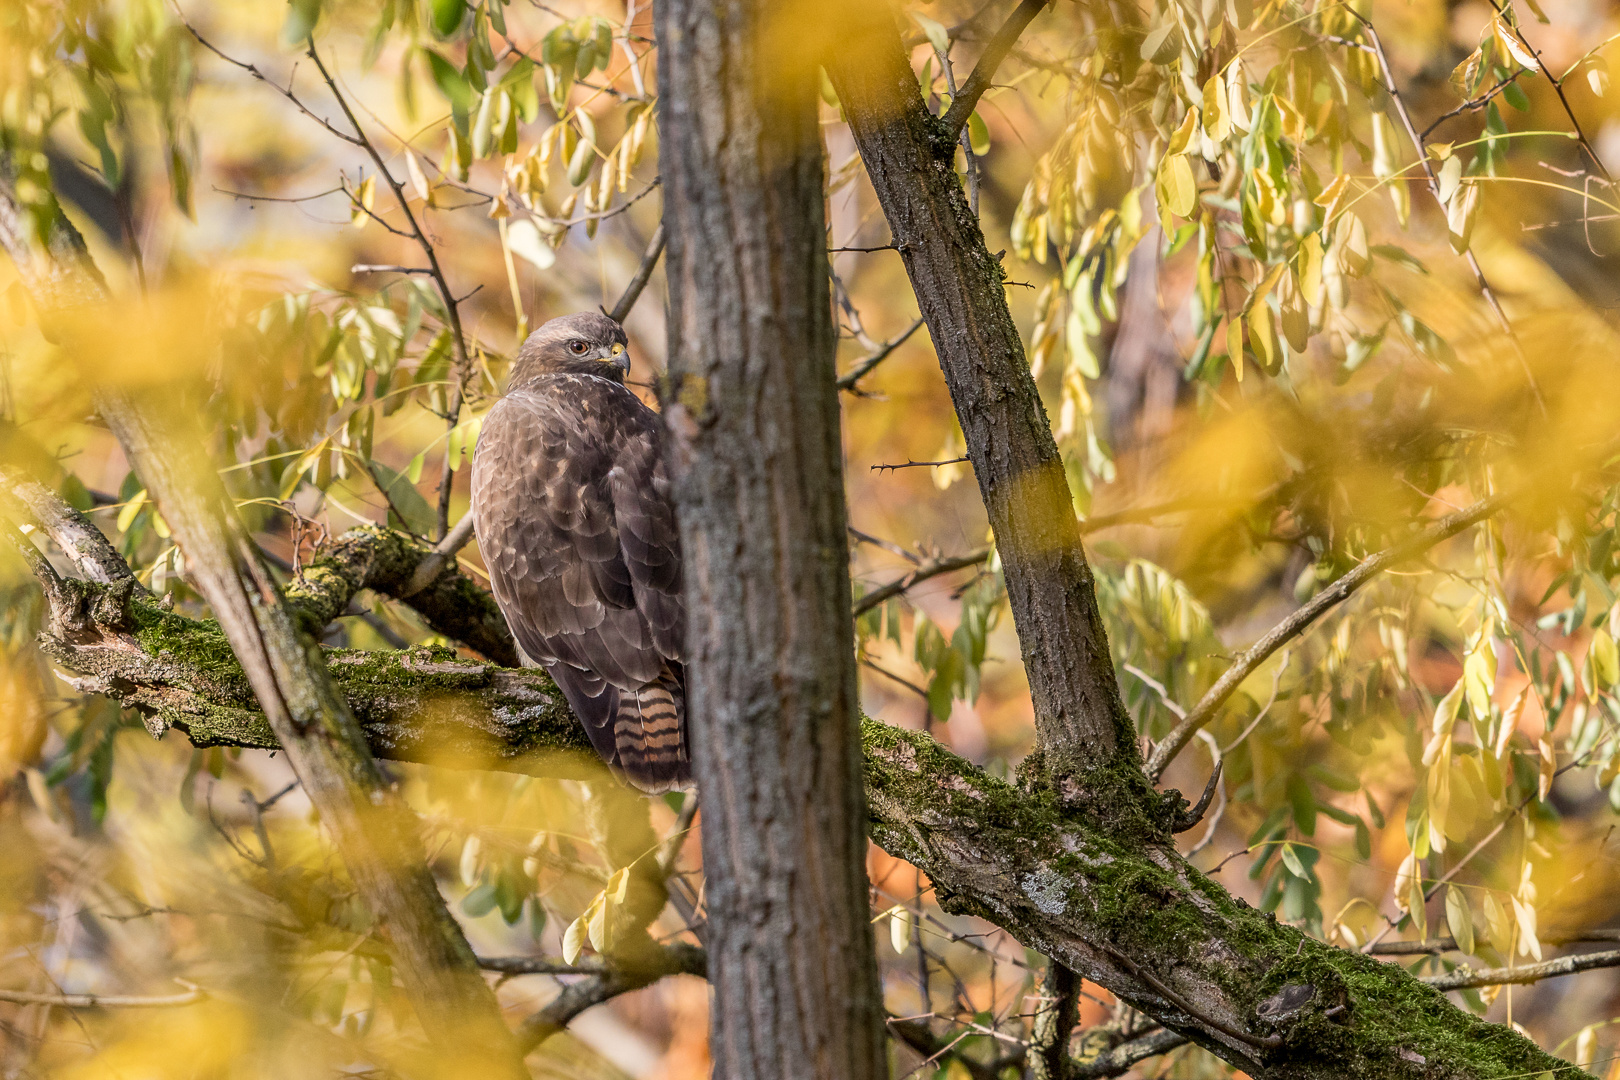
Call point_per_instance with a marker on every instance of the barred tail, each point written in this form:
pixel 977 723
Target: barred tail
pixel 649 734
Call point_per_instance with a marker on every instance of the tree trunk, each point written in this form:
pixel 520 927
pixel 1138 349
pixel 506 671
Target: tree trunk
pixel 1085 739
pixel 753 415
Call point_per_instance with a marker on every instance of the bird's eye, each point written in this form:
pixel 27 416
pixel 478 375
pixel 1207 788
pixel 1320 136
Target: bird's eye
pixel 577 347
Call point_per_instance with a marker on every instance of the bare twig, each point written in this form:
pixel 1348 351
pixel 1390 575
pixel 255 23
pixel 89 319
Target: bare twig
pixel 920 464
pixel 384 268
pixel 962 106
pixel 105 1001
pixel 1465 977
pixel 860 370
pixel 1297 623
pixel 632 291
pixel 927 570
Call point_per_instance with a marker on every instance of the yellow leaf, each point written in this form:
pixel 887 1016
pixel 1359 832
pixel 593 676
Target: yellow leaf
pixel 1263 338
pixel 1310 269
pixel 1176 189
pixel 363 198
pixel 469 861
pixel 573 940
pixel 1548 766
pixel 1459 919
pixel 1237 96
pixel 1510 722
pixel 598 925
pixel 1525 916
pixel 131 510
pixel 618 885
pixel 1460 214
pixel 1510 44
pixel 1217 120
pixel 1296 322
pixel 1479 673
pixel 1234 346
pixel 899 929
pixel 1464 74
pixel 1598 80
pixel 1497 925
pixel 1586 1046
pixel 1331 198
pixel 1605 659
pixel 1404 876
pixel 1182 137
pixel 419 182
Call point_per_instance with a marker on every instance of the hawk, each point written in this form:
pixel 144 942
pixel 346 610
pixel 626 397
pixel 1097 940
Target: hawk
pixel 571 505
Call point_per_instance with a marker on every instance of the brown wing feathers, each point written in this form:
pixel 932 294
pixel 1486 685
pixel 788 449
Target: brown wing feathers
pixel 573 517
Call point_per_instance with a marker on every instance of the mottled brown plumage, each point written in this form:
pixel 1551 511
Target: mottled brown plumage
pixel 571 507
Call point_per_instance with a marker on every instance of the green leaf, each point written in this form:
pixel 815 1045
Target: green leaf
pixel 935 31
pixel 447 16
pixel 1459 919
pixel 978 135
pixel 300 22
pixel 1290 859
pixel 405 499
pixel 479 902
pixel 450 81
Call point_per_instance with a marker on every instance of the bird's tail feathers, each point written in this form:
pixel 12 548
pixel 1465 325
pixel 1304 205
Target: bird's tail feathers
pixel 650 736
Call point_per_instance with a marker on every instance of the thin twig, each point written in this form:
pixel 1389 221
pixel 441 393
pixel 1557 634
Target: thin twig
pixel 1296 624
pixel 920 464
pixel 384 268
pixel 861 369
pixel 962 106
pixel 1118 1060
pixel 105 1001
pixel 922 573
pixel 1465 977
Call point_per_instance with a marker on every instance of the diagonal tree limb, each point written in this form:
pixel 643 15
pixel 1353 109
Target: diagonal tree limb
pixel 984 72
pixel 1296 624
pixel 644 272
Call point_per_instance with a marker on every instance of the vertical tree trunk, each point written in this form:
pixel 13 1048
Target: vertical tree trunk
pixel 753 414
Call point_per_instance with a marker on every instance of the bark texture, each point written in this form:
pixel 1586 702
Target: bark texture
pixel 754 423
pixel 1086 741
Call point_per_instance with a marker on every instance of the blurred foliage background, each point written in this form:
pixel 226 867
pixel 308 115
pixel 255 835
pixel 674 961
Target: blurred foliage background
pixel 1295 277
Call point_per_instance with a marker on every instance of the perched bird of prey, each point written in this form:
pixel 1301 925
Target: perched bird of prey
pixel 572 511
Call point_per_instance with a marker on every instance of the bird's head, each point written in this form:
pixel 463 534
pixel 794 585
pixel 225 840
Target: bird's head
pixel 585 343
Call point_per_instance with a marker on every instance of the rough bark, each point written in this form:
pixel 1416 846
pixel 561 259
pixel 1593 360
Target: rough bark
pixel 372 829
pixel 1085 738
pixel 753 415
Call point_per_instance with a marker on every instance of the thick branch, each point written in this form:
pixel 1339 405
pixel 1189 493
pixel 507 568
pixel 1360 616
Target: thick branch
pixel 1299 621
